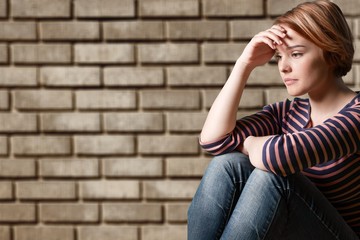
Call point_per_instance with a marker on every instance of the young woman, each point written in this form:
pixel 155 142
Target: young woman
pixel 292 170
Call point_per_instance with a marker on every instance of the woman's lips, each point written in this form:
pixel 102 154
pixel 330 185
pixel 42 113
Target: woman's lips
pixel 289 81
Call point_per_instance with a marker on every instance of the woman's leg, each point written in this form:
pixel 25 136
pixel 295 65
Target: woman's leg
pixel 311 215
pixel 216 196
pixel 275 207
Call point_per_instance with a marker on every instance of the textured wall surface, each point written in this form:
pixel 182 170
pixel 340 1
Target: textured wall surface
pixel 101 104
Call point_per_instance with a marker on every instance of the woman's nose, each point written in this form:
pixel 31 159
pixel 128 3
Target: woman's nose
pixel 284 66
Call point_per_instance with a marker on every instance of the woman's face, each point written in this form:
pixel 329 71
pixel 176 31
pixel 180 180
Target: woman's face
pixel 302 65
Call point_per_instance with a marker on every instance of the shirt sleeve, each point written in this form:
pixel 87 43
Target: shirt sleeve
pixel 263 123
pixel 337 137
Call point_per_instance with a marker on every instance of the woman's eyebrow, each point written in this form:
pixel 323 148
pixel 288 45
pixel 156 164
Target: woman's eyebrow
pixel 289 48
pixel 294 46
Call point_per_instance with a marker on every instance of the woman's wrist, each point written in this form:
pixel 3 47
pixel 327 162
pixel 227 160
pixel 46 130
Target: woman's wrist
pixel 245 146
pixel 245 64
pixel 254 146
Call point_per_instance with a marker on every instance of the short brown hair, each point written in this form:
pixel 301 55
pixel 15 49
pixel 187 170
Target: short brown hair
pixel 323 23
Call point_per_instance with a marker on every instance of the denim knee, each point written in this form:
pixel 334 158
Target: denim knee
pixel 270 180
pixel 230 160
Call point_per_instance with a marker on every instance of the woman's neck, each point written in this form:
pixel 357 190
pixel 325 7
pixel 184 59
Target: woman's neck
pixel 328 101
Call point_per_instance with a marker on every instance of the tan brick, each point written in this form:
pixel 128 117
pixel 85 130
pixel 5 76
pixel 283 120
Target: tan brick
pixel 43 99
pixel 70 76
pixel 18 76
pixel 133 122
pixel 350 7
pixel 41 53
pixel 265 75
pixel 186 167
pixel 24 31
pixel 4 99
pixel 44 233
pixel 104 145
pixel 4 146
pixel 169 8
pixel 104 53
pixel 17 212
pixel 170 99
pixel 246 29
pixel 108 233
pixel 70 122
pixel 134 30
pixel 5 233
pixel 18 122
pixel 222 52
pixel 69 212
pixel 251 98
pixel 196 76
pixel 69 168
pixel 185 121
pixel 105 8
pixel 198 30
pixel 357 50
pixel 132 212
pixel 6 192
pixel 169 232
pixel 276 94
pixel 355 28
pixel 130 76
pixel 110 190
pixel 176 212
pixel 133 167
pixel 4 55
pixel 41 145
pixel 357 88
pixel 232 8
pixel 17 168
pixel 356 74
pixel 350 77
pixel 173 144
pixel 40 8
pixel 45 190
pixel 277 8
pixel 69 30
pixel 174 189
pixel 169 53
pixel 3 8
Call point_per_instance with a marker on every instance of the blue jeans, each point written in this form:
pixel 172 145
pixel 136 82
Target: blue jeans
pixel 236 201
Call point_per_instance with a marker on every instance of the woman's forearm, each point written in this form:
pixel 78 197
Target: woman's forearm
pixel 221 118
pixel 253 146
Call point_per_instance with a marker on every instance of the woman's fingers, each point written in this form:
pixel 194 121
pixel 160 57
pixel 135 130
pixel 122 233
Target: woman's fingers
pixel 272 36
pixel 279 28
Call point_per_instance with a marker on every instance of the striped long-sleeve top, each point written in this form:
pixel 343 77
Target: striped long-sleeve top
pixel 328 154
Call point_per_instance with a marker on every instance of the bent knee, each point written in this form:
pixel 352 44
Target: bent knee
pixel 264 178
pixel 230 161
pixel 229 158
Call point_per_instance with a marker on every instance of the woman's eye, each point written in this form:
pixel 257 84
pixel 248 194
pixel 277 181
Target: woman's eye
pixel 277 57
pixel 296 55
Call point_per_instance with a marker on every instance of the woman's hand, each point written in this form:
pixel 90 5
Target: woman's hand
pixel 262 46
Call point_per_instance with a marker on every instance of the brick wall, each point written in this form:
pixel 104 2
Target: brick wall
pixel 101 103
